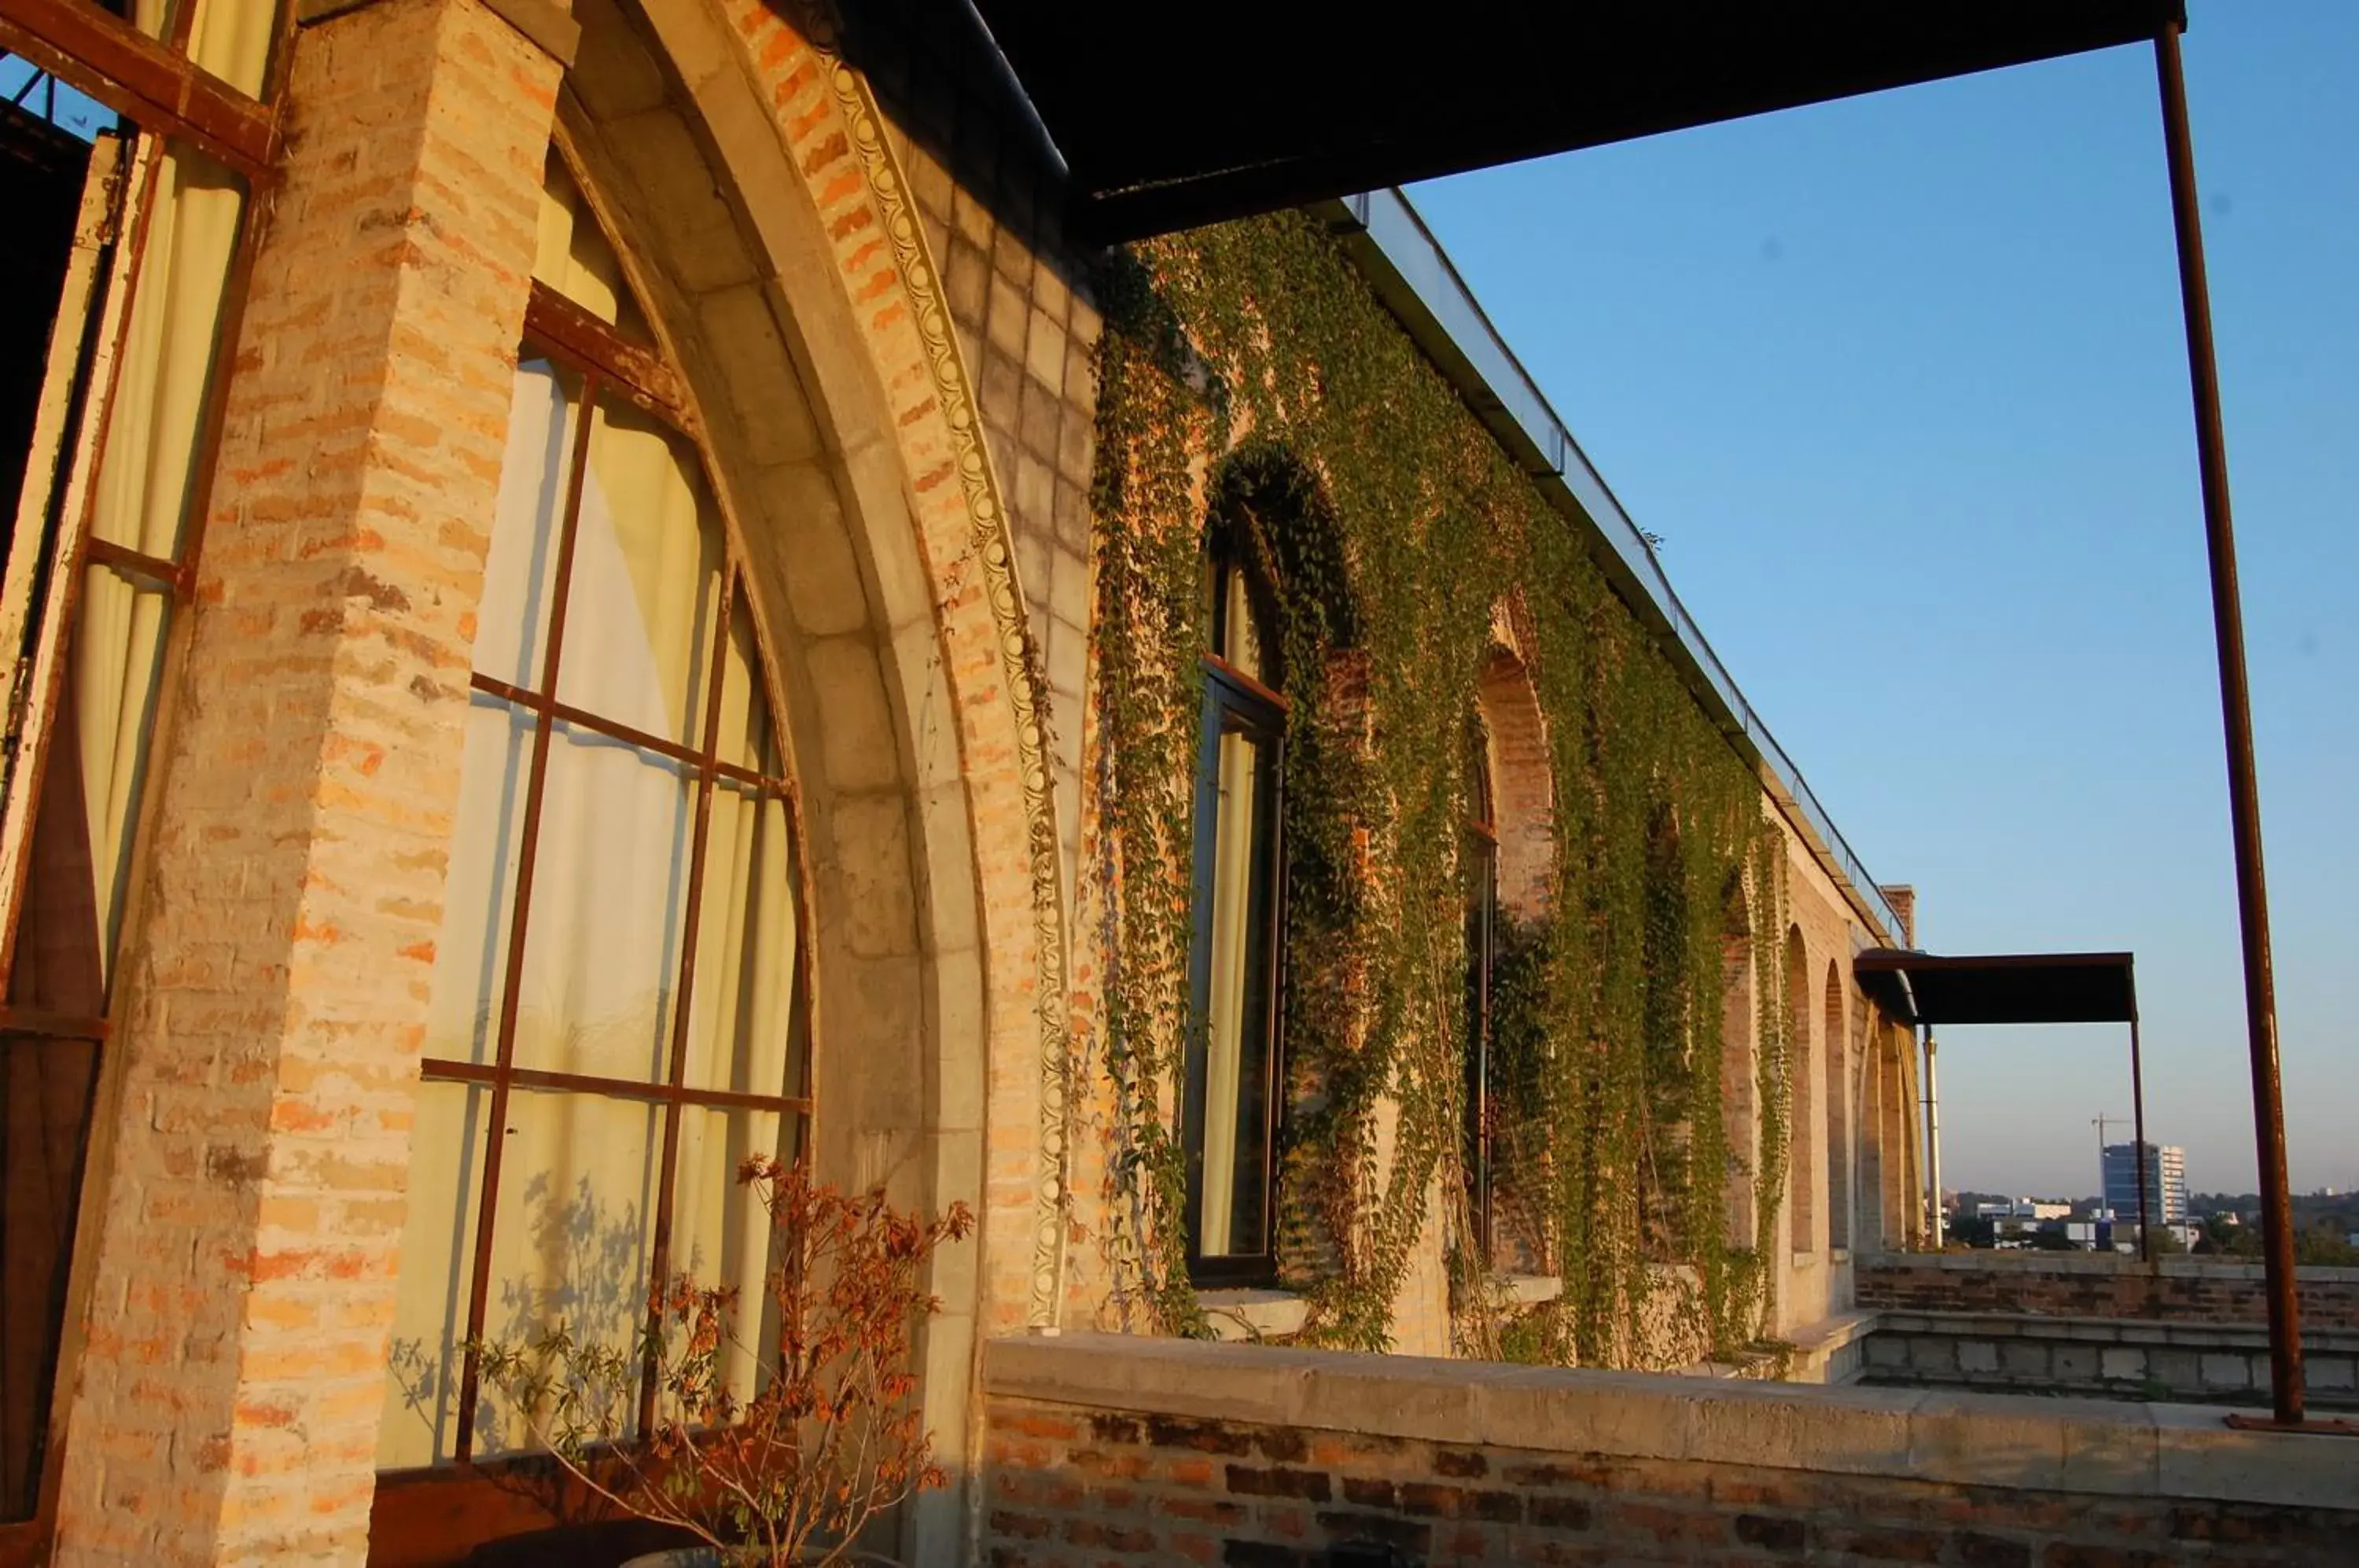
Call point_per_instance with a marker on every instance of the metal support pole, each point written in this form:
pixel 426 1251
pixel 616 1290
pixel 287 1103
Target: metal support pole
pixel 1932 1143
pixel 2235 702
pixel 2137 1115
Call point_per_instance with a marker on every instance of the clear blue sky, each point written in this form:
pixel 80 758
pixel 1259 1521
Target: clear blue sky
pixel 1902 383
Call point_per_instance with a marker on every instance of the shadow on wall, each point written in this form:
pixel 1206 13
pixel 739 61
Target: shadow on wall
pixel 939 77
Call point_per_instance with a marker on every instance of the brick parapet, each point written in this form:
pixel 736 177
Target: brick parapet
pixel 276 975
pixel 2184 1290
pixel 1100 1451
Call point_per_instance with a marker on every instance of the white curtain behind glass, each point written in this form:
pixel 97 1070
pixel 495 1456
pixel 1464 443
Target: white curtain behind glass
pixel 142 494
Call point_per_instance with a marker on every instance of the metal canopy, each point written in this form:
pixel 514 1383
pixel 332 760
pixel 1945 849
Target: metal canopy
pixel 1924 988
pixel 1171 116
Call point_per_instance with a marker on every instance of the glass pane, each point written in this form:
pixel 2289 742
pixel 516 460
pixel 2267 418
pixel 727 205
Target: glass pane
pixel 43 98
pixel 44 1100
pixel 1236 1054
pixel 745 1021
pixel 610 889
pixel 471 952
pixel 118 660
pixel 438 1250
pixel 232 38
pixel 154 422
pixel 746 736
pixel 573 256
pixel 520 574
pixel 573 1241
pixel 646 579
pixel 1240 633
pixel 44 175
pixel 721 1232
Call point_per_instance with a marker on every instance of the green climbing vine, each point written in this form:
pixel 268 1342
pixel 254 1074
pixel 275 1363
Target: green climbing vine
pixel 1249 379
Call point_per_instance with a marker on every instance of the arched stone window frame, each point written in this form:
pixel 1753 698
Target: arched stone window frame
pixel 1512 835
pixel 1739 1069
pixel 1801 1134
pixel 1836 1027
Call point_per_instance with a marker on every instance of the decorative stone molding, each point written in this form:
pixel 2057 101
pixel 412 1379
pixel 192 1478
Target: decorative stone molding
pixel 991 549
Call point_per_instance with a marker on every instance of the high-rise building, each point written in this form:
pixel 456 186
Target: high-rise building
pixel 2166 1183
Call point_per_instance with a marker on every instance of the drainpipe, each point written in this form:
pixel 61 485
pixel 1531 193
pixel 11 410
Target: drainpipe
pixel 1932 1142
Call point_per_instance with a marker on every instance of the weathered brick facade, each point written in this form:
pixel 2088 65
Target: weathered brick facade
pixel 1334 1459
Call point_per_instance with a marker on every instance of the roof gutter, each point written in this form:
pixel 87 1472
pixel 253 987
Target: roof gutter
pixel 1414 277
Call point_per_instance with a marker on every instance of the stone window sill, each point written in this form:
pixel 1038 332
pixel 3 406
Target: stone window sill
pixel 1244 1315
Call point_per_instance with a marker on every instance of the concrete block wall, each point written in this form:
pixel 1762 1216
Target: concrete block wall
pixel 1098 1454
pixel 2120 1358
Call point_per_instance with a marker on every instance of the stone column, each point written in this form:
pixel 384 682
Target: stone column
pixel 281 940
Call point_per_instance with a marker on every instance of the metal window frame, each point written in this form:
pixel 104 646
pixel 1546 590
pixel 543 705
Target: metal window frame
pixel 1236 701
pixel 611 364
pixel 163 99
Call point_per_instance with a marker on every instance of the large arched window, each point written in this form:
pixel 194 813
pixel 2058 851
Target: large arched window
pixel 617 1017
pixel 1229 1118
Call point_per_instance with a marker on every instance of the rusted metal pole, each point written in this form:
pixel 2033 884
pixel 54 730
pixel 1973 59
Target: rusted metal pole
pixel 2138 1115
pixel 2235 702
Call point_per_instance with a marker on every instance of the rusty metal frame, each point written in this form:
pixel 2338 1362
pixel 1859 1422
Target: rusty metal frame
pixel 146 80
pixel 608 365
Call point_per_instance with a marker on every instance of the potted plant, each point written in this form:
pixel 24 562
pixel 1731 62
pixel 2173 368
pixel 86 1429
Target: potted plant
pixel 774 1444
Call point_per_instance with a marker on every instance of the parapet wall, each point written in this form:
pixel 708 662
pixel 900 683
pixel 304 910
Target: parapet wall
pixel 1109 1448
pixel 2094 1285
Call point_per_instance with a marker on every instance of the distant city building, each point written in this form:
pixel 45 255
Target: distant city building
pixel 2166 1181
pixel 2022 1209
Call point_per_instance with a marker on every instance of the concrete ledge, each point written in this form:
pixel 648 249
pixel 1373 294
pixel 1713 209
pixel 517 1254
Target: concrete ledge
pixel 2094 1446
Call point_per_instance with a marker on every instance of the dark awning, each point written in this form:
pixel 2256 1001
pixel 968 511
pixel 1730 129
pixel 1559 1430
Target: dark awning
pixel 2000 988
pixel 1170 117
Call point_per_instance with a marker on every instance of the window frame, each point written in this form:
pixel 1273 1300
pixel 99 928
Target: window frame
pixel 164 100
pixel 1236 702
pixel 609 363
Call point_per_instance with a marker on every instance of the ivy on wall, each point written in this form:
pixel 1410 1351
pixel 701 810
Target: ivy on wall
pixel 1247 375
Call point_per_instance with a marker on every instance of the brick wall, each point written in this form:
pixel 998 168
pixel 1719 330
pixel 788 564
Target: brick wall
pixel 2182 1289
pixel 1092 1462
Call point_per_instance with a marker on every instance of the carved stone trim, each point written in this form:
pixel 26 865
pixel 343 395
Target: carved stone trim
pixel 990 543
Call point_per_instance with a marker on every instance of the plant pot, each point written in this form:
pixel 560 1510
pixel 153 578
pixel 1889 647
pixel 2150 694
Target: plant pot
pixel 705 1557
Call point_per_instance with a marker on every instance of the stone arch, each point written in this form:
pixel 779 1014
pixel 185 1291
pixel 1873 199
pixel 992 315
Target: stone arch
pixel 748 166
pixel 1801 1153
pixel 1523 784
pixel 1739 1080
pixel 1838 1092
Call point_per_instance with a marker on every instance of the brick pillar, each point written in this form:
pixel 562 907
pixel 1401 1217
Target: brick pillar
pixel 277 969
